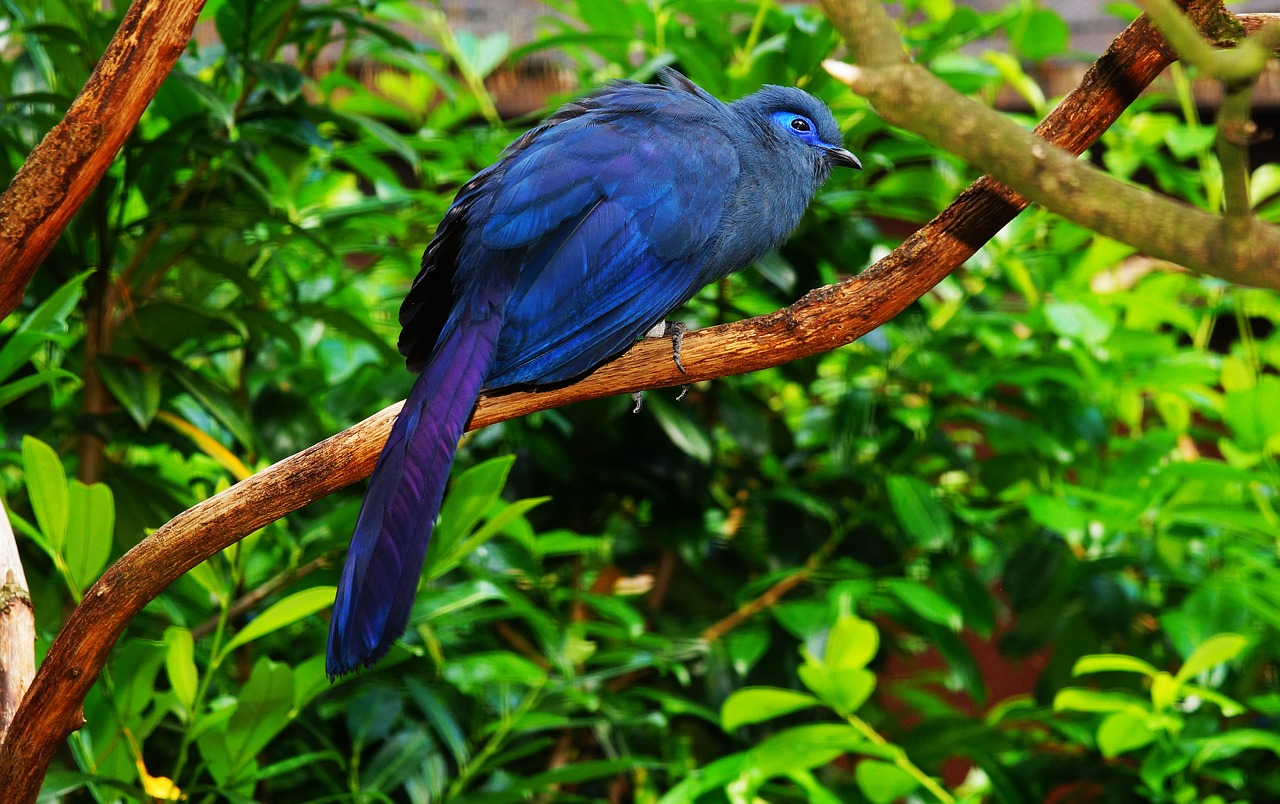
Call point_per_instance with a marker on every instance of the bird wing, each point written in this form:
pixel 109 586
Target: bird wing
pixel 616 210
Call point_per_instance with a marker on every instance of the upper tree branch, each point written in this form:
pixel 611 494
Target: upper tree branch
pixel 68 163
pixel 909 96
pixel 824 319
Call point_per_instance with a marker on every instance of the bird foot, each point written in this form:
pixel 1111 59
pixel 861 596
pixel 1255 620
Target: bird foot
pixel 675 330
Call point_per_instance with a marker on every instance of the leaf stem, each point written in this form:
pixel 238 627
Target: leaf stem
pixel 901 760
pixel 492 744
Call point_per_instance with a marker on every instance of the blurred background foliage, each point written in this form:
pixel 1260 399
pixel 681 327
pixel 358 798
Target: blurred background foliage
pixel 1022 540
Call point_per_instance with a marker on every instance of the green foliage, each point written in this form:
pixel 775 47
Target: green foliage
pixel 1026 530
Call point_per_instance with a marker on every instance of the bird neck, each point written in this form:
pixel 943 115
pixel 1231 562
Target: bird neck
pixel 773 189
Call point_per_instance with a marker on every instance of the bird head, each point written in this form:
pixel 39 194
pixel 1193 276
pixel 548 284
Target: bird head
pixel 800 123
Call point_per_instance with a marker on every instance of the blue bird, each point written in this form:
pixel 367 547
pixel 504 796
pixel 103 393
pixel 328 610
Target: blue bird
pixel 589 230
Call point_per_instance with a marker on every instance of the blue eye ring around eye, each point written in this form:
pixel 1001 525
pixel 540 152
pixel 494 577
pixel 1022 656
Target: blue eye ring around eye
pixel 797 124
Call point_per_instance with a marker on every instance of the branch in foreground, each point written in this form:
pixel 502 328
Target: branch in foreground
pixel 68 163
pixel 911 97
pixel 17 628
pixel 824 319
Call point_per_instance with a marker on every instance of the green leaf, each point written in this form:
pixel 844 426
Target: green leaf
pixel 1252 415
pixel 281 613
pixel 1264 183
pixel 458 597
pixel 481 672
pixel 1162 762
pixel 714 776
pixel 41 326
pixel 1188 142
pixel 470 496
pixel 578 772
pixel 179 663
pixel 136 387
pixel 209 579
pixel 1228 744
pixel 216 753
pixel 926 602
pixel 1111 663
pixel 804 747
pixel 403 753
pixel 803 619
pixel 681 426
pixel 1010 69
pixel 1164 691
pixel 51 314
pixel 756 704
pixel 568 543
pixel 843 689
pixel 309 680
pixel 746 645
pixel 283 80
pixel 215 400
pixel 91 520
pixel 852 643
pixel 919 511
pixel 1123 731
pixel 17 388
pixel 1209 654
pixel 1078 699
pixel 47 487
pixel 1058 514
pixel 883 782
pixel 1039 34
pixel 482 54
pixel 441 563
pixel 1088 323
pixel 1229 706
pixel 18 348
pixel 264 709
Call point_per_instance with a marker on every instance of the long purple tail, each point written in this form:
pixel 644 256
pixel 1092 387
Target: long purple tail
pixel 380 578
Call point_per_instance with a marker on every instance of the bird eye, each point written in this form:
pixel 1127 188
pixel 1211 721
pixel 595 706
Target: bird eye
pixel 801 125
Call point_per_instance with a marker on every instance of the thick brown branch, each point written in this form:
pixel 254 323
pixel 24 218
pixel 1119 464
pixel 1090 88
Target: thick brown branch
pixel 68 163
pixel 824 319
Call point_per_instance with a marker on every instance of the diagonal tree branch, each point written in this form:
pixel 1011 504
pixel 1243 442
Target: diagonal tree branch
pixel 68 163
pixel 822 320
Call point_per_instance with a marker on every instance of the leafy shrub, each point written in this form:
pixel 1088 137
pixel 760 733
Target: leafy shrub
pixel 1021 539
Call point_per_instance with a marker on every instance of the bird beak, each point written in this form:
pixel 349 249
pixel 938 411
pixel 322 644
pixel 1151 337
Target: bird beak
pixel 839 156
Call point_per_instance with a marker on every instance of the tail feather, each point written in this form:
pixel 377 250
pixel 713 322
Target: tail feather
pixel 380 577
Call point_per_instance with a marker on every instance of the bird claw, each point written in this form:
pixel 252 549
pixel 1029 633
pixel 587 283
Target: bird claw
pixel 676 330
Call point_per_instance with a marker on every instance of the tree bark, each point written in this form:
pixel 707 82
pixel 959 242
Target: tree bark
pixel 68 163
pixel 17 628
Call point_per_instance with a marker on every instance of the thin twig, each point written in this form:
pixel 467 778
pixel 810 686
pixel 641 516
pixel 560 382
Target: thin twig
pixel 248 602
pixel 774 593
